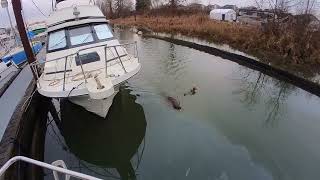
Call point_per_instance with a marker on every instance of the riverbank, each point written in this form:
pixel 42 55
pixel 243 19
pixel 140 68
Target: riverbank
pixel 282 51
pixel 237 113
pixel 277 73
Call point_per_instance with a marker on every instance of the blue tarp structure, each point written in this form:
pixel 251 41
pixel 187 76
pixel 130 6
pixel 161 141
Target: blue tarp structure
pixel 30 34
pixel 21 57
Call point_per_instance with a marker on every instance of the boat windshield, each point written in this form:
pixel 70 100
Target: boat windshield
pixel 57 40
pixel 103 31
pixel 80 35
pixel 77 36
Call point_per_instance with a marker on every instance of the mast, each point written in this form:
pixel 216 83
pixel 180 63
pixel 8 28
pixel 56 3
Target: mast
pixel 22 31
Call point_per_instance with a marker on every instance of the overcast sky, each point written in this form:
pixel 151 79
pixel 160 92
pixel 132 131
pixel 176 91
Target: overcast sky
pixel 31 13
pixel 29 10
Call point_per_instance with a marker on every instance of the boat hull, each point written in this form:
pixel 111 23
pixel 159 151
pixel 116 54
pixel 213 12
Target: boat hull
pixel 6 73
pixel 99 107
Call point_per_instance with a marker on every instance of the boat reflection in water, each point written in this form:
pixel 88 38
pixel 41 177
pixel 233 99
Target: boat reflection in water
pixel 108 143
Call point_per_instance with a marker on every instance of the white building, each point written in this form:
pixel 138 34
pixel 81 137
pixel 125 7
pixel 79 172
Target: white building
pixel 3 36
pixel 223 15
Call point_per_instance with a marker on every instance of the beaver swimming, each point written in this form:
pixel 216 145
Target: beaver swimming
pixel 192 91
pixel 174 102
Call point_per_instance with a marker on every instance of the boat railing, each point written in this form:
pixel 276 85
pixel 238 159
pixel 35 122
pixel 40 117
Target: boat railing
pixel 38 66
pixel 51 167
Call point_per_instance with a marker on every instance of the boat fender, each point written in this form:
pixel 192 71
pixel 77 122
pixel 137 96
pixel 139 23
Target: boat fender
pixel 99 88
pixel 61 164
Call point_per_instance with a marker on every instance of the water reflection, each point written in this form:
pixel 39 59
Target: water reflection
pixel 218 135
pixel 105 143
pixel 174 66
pixel 256 85
pixel 122 33
pixel 277 100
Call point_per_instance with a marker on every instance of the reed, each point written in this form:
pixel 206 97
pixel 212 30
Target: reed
pixel 287 48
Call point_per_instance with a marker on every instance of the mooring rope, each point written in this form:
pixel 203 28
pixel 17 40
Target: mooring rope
pixel 76 77
pixel 28 101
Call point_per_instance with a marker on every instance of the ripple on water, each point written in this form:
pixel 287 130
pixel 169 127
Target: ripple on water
pixel 241 124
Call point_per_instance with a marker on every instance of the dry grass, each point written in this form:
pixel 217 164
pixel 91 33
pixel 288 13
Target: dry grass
pixel 285 46
pixel 196 25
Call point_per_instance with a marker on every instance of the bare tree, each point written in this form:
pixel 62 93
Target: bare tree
pixel 175 3
pixel 156 3
pixel 260 4
pixel 106 7
pixel 116 8
pixel 142 5
pixel 280 6
pixel 307 6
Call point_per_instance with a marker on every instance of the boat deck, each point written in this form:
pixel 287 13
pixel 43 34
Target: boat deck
pixel 53 85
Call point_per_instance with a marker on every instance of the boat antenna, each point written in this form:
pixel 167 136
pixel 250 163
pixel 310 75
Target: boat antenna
pixel 76 12
pixel 37 7
pixel 94 2
pixel 51 5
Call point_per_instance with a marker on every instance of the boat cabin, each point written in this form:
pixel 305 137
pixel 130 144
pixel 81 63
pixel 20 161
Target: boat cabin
pixel 80 45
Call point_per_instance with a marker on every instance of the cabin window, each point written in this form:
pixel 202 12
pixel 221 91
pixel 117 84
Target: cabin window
pixel 103 31
pixel 78 36
pixel 57 40
pixel 81 35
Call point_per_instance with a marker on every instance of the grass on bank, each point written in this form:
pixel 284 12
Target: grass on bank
pixel 286 48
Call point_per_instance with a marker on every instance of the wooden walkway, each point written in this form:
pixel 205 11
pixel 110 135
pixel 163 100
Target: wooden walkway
pixel 14 93
pixel 22 112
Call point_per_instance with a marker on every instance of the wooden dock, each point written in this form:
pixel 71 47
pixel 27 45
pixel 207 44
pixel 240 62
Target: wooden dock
pixel 23 124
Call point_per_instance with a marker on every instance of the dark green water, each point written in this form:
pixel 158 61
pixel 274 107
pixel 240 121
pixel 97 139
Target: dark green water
pixel 241 124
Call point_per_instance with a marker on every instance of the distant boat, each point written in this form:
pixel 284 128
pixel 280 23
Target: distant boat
pixel 7 70
pixel 38 28
pixel 18 56
pixel 39 31
pixel 4 36
pixel 13 50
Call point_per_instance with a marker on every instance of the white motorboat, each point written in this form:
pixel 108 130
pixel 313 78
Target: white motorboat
pixel 7 70
pixel 18 56
pixel 84 61
pixel 37 27
pixel 39 30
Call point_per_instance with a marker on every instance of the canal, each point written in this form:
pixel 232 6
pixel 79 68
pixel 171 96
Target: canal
pixel 241 124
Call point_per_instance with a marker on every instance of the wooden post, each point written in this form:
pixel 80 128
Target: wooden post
pixel 16 4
